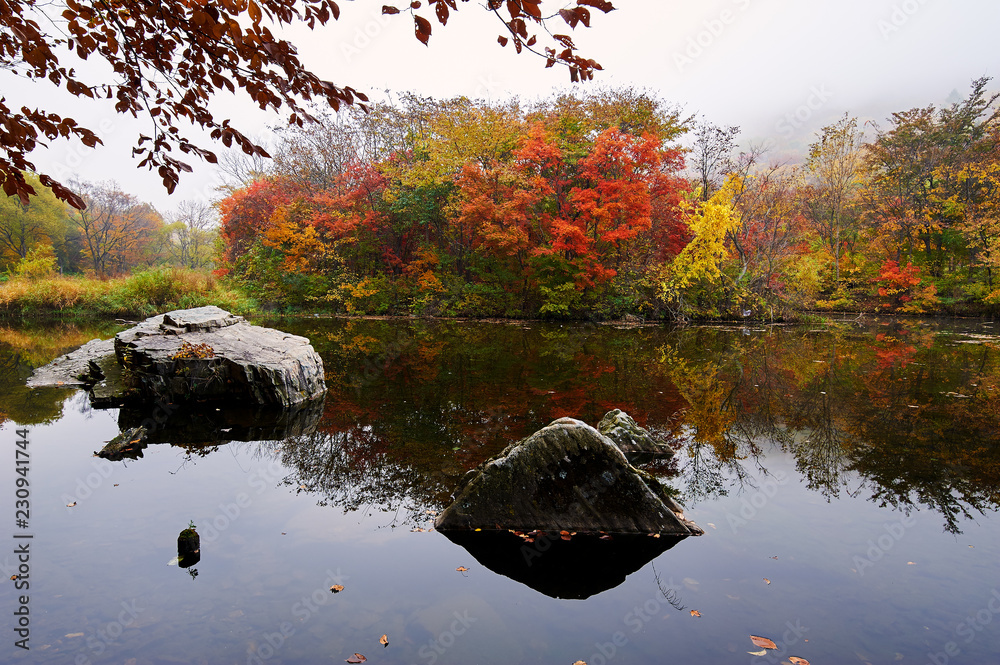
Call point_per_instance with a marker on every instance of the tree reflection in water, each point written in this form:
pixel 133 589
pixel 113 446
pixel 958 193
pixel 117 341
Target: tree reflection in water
pixel 906 414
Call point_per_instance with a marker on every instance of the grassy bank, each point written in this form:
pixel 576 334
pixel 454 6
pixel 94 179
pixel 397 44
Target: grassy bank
pixel 157 290
pixel 137 295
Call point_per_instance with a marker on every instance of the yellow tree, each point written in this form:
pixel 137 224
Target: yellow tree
pixel 710 222
pixel 834 167
pixel 976 203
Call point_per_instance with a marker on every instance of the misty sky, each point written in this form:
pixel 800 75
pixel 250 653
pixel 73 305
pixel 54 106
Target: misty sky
pixel 778 68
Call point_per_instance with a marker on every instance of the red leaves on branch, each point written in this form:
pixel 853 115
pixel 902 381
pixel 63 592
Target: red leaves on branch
pixel 170 58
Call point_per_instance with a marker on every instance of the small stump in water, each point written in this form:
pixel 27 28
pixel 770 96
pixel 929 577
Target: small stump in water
pixel 188 547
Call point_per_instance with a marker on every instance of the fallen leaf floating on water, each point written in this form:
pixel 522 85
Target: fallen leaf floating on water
pixel 911 563
pixel 356 658
pixel 74 635
pixel 695 613
pixel 763 642
pixel 774 557
pixel 767 580
pixel 711 525
pixel 70 505
pixel 798 661
pixel 762 652
pixel 384 640
pixel 337 588
pixel 461 569
pixel 579 662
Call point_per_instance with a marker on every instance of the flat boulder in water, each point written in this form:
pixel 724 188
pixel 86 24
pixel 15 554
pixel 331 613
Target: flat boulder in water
pixel 194 355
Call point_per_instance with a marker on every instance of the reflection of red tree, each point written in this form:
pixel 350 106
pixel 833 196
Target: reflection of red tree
pixel 896 355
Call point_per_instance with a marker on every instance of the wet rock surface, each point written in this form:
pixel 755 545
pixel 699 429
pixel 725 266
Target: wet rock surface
pixel 73 368
pixel 129 443
pixel 629 437
pixel 565 477
pixel 191 355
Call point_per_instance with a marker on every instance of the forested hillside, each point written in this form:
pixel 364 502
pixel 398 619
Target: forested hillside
pixel 597 205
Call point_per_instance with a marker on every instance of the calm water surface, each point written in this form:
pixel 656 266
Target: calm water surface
pixel 847 477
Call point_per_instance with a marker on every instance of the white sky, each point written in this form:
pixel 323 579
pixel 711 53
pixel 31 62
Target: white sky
pixel 778 68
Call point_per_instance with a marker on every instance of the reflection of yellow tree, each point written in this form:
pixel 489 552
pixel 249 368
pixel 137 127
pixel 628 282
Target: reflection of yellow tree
pixel 719 436
pixel 24 349
pixel 892 412
pixel 707 392
pixel 895 413
pixel 38 346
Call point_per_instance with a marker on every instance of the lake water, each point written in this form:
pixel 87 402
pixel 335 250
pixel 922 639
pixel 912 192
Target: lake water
pixel 847 476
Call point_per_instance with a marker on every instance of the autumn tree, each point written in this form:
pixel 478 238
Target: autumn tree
pixel 711 156
pixel 769 234
pixel 24 226
pixel 834 167
pixel 976 202
pixel 701 261
pixel 171 58
pixel 116 227
pixel 908 167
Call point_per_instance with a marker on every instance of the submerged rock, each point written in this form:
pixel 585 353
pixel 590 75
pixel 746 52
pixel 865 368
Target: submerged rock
pixel 190 355
pixel 566 477
pixel 129 443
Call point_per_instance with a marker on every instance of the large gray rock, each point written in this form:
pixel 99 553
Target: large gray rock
pixel 565 477
pixel 207 353
pixel 194 355
pixel 629 437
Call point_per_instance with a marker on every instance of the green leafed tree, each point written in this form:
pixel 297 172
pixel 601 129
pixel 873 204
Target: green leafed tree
pixel 25 226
